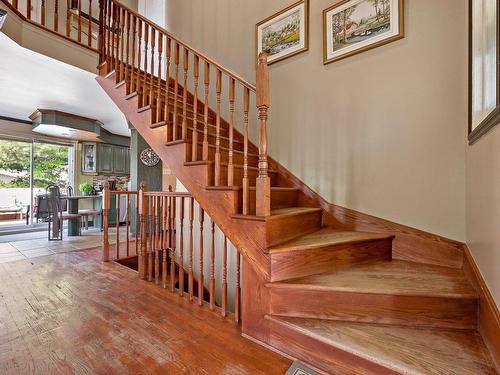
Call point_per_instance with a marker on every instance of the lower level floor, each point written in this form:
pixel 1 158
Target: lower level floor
pixel 71 313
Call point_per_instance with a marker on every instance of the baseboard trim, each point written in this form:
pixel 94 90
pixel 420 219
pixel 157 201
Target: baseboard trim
pixel 489 315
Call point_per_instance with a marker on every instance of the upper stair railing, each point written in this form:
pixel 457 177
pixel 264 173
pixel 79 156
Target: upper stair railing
pixel 74 20
pixel 165 73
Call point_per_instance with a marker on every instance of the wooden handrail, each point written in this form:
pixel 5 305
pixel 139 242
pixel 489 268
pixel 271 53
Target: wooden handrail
pixel 193 50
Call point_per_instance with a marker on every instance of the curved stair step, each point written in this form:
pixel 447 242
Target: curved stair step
pixel 347 348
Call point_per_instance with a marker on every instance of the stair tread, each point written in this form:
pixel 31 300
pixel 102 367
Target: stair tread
pixel 389 277
pixel 402 349
pixel 327 237
pixel 236 188
pixel 279 213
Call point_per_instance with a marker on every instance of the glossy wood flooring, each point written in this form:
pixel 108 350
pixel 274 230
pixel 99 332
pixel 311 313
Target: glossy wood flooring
pixel 70 313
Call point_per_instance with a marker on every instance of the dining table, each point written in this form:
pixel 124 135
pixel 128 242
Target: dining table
pixel 73 203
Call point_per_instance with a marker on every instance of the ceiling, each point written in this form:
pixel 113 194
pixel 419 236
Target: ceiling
pixel 29 81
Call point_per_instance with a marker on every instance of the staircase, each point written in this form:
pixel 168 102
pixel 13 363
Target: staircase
pixel 339 300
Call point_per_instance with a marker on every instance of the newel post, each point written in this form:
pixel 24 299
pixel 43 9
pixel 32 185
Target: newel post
pixel 263 185
pixel 106 198
pixel 143 214
pixel 100 39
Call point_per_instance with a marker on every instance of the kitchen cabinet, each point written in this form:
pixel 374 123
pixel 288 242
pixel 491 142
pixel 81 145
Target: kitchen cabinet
pixel 113 159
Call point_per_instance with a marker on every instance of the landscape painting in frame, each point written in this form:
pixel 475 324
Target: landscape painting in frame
pixel 354 26
pixel 285 33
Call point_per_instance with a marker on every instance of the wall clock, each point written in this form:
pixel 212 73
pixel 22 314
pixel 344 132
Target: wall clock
pixel 149 157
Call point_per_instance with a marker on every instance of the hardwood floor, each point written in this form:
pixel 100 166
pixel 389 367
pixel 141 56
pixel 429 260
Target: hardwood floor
pixel 71 313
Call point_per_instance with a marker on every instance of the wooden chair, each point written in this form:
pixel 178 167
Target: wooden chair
pixel 57 215
pixel 89 213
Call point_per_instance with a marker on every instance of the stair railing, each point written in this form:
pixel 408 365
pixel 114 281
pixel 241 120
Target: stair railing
pixel 79 24
pixel 166 74
pixel 177 246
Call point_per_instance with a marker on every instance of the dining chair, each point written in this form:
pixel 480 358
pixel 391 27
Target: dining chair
pixel 56 214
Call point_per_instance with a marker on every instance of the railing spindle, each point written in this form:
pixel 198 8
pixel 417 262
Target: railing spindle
pixel 144 96
pixel 152 76
pixel 157 239
pixel 117 225
pixel 68 17
pixel 230 167
pixel 131 82
pixel 184 94
pixel 106 199
pixel 42 13
pixel 56 15
pixel 121 63
pixel 127 51
pixel 108 34
pixel 173 244
pixel 165 224
pixel 181 248
pixel 28 9
pixel 143 204
pixel 190 269
pixel 212 269
pixel 89 37
pixel 158 93
pixel 224 280
pixel 139 60
pixel 176 87
pixel 137 222
pixel 15 4
pixel 196 74
pixel 205 112
pixel 150 242
pixel 217 129
pixel 79 21
pixel 246 108
pixel 127 224
pixel 168 49
pixel 200 261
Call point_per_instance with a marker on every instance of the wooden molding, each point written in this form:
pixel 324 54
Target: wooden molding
pixel 489 315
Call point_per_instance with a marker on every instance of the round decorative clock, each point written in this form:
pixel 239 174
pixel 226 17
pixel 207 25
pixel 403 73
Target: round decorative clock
pixel 149 157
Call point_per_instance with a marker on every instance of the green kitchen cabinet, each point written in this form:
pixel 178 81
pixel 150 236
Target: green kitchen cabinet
pixel 121 159
pixel 105 158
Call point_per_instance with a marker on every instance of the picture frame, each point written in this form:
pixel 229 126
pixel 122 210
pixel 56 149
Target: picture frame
pixel 89 157
pixel 285 33
pixel 355 26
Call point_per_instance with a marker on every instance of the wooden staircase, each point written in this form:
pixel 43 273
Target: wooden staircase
pixel 340 300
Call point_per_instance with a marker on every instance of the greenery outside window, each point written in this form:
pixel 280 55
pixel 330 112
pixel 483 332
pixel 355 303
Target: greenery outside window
pixel 484 64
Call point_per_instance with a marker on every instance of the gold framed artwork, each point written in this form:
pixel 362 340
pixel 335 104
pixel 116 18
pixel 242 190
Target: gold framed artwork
pixel 285 33
pixel 354 26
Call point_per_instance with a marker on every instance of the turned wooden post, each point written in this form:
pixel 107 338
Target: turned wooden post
pixel 79 20
pixel 105 211
pixel 218 90
pixel 42 13
pixel 56 16
pixel 205 112
pixel 100 39
pixel 185 94
pixel 230 167
pixel 196 74
pixel 143 212
pixel 263 184
pixel 246 109
pixel 28 9
pixel 68 17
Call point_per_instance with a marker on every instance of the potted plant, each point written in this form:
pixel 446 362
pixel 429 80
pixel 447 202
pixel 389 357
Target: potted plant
pixel 85 188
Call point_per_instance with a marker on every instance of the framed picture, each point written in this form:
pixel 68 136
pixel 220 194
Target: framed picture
pixel 89 157
pixel 285 33
pixel 354 26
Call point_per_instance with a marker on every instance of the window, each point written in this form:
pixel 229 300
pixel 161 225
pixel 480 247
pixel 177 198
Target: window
pixel 484 74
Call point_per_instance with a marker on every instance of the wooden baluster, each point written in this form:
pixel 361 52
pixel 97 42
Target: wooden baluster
pixel 106 199
pixel 108 34
pixel 143 205
pixel 68 17
pixel 139 59
pixel 246 108
pixel 56 16
pixel 212 269
pixel 28 9
pixel 157 239
pixel 144 97
pixel 263 184
pixel 230 166
pixel 205 114
pixel 15 4
pixel 176 88
pixel 112 35
pixel 224 280
pixel 165 224
pixel 150 239
pixel 126 70
pixel 137 221
pixel 159 93
pixel 237 293
pixel 184 94
pixel 79 20
pixel 42 13
pixel 200 262
pixel 181 248
pixel 217 130
pixel 167 88
pixel 131 82
pixel 173 243
pixel 117 226
pixel 190 269
pixel 196 74
pixel 89 36
pixel 152 89
pixel 121 46
pixel 127 225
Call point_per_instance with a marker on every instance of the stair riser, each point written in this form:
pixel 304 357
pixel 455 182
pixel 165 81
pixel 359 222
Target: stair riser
pixel 289 227
pixel 375 308
pixel 253 160
pixel 321 355
pixel 293 264
pixel 238 176
pixel 279 199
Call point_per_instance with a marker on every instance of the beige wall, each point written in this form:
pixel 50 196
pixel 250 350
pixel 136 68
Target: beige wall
pixel 483 207
pixel 383 132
